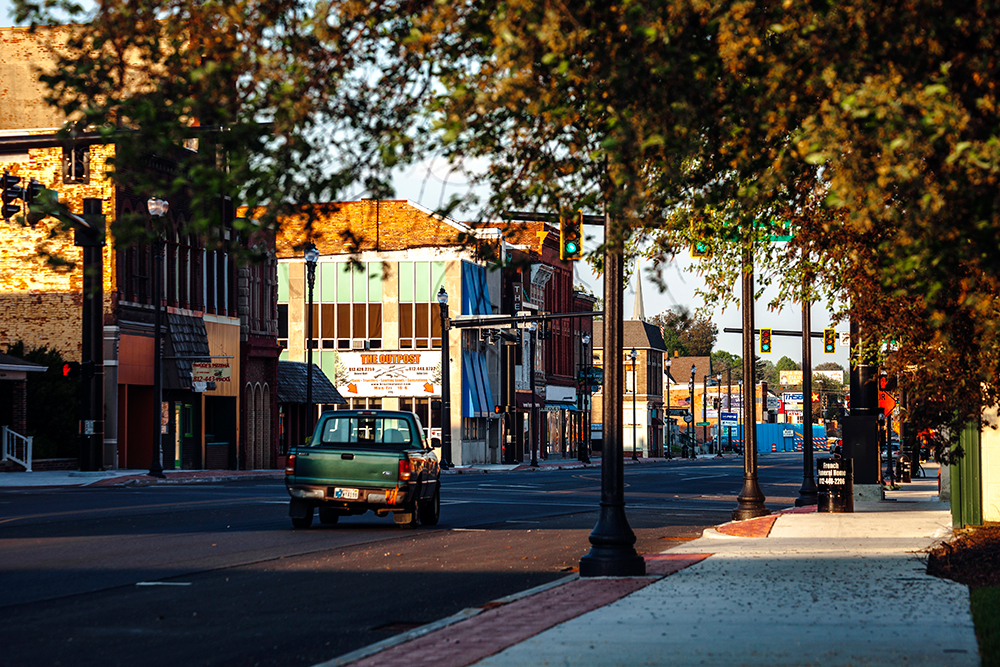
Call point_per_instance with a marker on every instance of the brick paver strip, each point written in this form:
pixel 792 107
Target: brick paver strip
pixel 495 629
pixel 759 527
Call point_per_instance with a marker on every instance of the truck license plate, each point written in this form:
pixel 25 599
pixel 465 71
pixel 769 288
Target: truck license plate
pixel 345 494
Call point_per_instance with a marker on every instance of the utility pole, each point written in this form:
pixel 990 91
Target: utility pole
pixel 91 238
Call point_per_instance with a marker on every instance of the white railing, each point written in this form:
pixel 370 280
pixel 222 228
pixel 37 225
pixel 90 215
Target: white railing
pixel 17 448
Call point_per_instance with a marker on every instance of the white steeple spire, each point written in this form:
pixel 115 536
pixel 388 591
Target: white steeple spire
pixel 638 311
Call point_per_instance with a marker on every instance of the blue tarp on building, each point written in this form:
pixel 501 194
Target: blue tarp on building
pixel 477 395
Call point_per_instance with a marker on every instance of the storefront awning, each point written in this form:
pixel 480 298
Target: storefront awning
pixel 293 378
pixel 477 395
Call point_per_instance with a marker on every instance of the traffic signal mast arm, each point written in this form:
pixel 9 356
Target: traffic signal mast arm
pixel 495 321
pixel 776 332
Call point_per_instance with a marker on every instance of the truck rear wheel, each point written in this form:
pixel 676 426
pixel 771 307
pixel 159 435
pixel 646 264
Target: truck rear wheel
pixel 430 510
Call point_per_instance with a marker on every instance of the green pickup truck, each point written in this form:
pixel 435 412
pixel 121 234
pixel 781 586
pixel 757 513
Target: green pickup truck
pixel 361 460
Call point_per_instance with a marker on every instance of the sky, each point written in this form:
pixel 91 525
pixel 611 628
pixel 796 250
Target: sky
pixel 432 183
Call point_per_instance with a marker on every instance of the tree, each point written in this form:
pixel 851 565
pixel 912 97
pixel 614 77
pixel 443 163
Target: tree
pixel 766 372
pixel 54 430
pixel 693 336
pixel 722 360
pixel 786 364
pixel 872 128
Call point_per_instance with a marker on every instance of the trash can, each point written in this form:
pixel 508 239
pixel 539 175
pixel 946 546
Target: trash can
pixel 835 485
pixel 904 473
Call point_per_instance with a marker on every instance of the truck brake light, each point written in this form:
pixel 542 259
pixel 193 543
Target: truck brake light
pixel 290 465
pixel 405 469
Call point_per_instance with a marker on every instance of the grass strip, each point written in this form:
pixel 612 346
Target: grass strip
pixel 986 618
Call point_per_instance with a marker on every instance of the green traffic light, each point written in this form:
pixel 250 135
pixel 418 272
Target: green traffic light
pixel 571 248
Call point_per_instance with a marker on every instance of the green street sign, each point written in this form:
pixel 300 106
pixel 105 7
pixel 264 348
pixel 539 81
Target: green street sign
pixel 703 424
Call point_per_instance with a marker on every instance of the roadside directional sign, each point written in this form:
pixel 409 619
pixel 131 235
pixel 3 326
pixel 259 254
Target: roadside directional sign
pixel 886 401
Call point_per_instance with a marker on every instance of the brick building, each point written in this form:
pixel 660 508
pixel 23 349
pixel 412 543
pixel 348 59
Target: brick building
pixel 536 280
pixel 212 307
pixel 376 319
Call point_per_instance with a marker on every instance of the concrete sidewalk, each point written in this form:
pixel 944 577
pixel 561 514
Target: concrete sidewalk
pixel 794 588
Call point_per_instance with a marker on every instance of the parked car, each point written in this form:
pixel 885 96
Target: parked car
pixel 364 460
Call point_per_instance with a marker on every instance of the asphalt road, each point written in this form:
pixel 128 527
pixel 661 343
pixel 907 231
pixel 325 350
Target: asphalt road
pixel 215 575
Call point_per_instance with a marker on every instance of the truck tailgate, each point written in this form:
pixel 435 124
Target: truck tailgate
pixel 348 468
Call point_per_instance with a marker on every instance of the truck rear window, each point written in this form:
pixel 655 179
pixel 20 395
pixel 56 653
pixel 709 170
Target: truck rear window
pixel 367 431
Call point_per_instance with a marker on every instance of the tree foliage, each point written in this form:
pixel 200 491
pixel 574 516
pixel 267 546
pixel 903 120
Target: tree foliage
pixel 870 127
pixel 690 334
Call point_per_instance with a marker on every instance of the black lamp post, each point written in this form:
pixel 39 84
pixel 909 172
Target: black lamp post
pixel 739 413
pixel 533 433
pixel 312 256
pixel 718 416
pixel 157 207
pixel 612 552
pixel 704 412
pixel 585 398
pixel 668 421
pixel 633 355
pixel 442 297
pixel 694 369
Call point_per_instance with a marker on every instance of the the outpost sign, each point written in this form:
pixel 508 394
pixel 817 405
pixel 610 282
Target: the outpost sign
pixel 410 373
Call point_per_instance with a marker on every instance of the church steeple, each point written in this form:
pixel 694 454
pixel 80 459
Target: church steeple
pixel 638 311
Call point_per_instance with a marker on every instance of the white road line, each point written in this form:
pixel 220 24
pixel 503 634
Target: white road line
pixel 163 583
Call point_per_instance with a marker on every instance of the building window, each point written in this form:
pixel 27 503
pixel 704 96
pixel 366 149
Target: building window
pixel 347 306
pixel 76 164
pixel 421 407
pixel 419 312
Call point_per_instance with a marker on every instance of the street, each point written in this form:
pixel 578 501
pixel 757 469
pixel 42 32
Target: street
pixel 213 574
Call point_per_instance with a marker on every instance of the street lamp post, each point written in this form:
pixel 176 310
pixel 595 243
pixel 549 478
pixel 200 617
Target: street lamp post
pixel 694 369
pixel 312 256
pixel 633 355
pixel 157 207
pixel 739 413
pixel 533 328
pixel 668 421
pixel 585 398
pixel 718 415
pixel 442 297
pixel 704 411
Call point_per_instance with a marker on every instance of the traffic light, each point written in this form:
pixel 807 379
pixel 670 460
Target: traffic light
pixel 715 403
pixel 765 341
pixel 829 341
pixel 571 236
pixel 11 193
pixel 699 249
pixel 71 369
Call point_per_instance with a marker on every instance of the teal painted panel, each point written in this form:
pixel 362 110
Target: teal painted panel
pixel 406 282
pixel 375 279
pixel 422 282
pixel 343 282
pixel 437 277
pixel 282 282
pixel 327 282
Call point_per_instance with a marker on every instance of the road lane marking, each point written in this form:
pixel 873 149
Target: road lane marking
pixel 163 583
